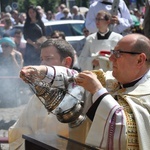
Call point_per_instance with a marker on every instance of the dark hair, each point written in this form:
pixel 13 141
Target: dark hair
pixel 28 19
pixel 18 31
pixel 60 33
pixel 63 48
pixel 54 33
pixel 107 15
pixel 6 35
pixel 8 21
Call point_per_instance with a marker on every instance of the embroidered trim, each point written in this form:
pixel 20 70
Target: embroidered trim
pixel 100 77
pixel 132 136
pixel 106 125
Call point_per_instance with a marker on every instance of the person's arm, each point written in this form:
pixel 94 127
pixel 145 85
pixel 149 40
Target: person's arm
pixel 105 113
pixel 12 57
pixel 90 20
pixel 89 81
pixel 107 116
pixel 124 19
pixel 19 59
pixel 43 28
pixel 30 71
pixel 46 73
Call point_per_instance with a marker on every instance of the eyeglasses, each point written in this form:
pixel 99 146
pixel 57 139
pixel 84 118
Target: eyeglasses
pixel 117 53
pixel 99 19
pixel 4 46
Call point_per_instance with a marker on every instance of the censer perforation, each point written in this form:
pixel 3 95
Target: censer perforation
pixel 51 96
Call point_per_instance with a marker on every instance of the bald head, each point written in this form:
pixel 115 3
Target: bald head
pixel 131 58
pixel 136 43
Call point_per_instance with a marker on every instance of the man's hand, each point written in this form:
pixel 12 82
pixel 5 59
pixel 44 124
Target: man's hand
pixel 30 73
pixel 89 81
pixel 12 53
pixel 114 20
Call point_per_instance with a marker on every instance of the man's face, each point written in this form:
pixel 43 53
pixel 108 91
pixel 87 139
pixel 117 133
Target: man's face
pixel 125 67
pixel 101 22
pixel 50 56
pixel 17 38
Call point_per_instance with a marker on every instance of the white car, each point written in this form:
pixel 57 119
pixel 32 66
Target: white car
pixel 71 28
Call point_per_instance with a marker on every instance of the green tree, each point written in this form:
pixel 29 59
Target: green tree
pixel 46 4
pixel 84 3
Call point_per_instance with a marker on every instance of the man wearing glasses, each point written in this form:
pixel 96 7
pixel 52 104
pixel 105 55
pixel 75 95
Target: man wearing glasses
pixel 121 98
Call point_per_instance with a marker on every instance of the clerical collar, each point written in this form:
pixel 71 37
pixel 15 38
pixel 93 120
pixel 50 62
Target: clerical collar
pixel 105 35
pixel 127 85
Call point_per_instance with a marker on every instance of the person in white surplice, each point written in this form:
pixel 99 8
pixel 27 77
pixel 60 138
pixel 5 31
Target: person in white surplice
pixel 35 118
pixel 103 40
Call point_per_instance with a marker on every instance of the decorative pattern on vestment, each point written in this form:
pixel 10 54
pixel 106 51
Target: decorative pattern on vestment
pixel 132 136
pixel 100 76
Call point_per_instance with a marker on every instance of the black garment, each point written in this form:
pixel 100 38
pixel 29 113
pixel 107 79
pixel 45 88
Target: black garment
pixel 127 85
pixel 91 112
pixel 33 31
pixel 106 36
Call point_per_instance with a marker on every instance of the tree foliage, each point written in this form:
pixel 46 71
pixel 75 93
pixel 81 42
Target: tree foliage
pixel 52 4
pixel 46 4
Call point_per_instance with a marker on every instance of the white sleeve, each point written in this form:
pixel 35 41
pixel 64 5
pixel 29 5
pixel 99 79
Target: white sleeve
pixel 90 20
pixel 107 110
pixel 58 72
pixel 125 20
pixel 98 94
pixel 85 59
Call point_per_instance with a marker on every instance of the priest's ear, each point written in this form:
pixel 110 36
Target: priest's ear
pixel 67 62
pixel 141 59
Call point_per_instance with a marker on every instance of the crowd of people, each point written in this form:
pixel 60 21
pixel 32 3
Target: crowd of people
pixel 115 94
pixel 123 21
